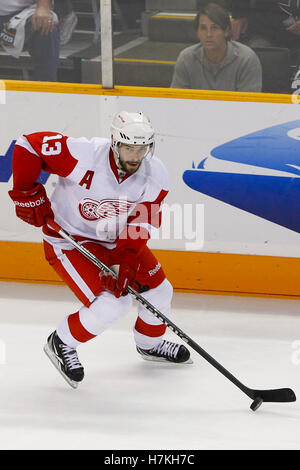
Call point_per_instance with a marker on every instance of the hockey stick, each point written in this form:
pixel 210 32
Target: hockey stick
pixel 258 396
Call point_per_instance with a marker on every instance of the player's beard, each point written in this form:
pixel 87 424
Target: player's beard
pixel 125 166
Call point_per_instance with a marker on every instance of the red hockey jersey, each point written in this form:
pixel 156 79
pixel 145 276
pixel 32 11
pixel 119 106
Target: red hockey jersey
pixel 90 199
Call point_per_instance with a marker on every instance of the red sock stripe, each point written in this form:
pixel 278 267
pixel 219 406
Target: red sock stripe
pixel 77 329
pixel 149 330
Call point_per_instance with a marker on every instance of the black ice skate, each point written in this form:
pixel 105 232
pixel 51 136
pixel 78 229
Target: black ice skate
pixel 167 351
pixel 65 360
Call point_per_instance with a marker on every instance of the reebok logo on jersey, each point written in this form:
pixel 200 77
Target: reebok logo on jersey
pixel 155 270
pixel 39 202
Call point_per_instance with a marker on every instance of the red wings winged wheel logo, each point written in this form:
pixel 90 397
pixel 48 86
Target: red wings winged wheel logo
pixel 91 209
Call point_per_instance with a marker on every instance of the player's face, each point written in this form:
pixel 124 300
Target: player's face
pixel 131 156
pixel 210 34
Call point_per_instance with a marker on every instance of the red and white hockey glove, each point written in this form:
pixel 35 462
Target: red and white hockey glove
pixel 32 206
pixel 126 275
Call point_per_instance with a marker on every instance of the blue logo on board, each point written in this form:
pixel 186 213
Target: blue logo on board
pixel 6 166
pixel 258 173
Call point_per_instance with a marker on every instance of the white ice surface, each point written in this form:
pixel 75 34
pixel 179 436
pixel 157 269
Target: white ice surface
pixel 127 403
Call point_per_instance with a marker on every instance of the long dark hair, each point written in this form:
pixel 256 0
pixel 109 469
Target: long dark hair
pixel 217 14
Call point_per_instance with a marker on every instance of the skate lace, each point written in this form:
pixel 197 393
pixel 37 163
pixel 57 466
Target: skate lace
pixel 167 348
pixel 70 357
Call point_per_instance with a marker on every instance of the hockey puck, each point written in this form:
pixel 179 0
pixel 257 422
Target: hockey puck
pixel 256 403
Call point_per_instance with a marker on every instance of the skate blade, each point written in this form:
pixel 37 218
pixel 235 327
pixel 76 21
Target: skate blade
pixel 161 359
pixel 56 364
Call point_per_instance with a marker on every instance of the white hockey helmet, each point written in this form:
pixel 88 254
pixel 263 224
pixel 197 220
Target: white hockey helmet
pixel 132 129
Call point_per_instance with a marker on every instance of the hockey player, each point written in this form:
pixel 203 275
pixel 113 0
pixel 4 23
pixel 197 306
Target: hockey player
pixel 108 196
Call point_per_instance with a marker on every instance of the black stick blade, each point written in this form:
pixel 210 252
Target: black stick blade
pixel 256 404
pixel 283 395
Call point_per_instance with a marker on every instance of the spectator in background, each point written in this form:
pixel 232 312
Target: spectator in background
pixel 262 23
pixel 217 63
pixel 130 11
pixel 67 20
pixel 30 25
pixel 269 23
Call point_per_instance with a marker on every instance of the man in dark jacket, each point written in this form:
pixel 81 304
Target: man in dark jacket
pixel 261 23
